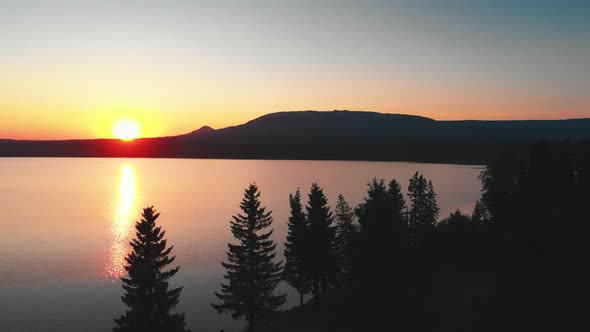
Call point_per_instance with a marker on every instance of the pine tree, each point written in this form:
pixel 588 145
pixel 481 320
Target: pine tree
pixel 399 220
pixel 322 241
pixel 456 219
pixel 374 211
pixel 383 210
pixel 296 248
pixel 423 212
pixel 382 233
pixel 147 293
pixel 397 201
pixel 480 214
pixel 252 275
pixel 432 204
pixel 502 190
pixel 458 243
pixel 346 233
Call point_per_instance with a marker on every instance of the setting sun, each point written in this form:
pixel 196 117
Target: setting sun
pixel 126 129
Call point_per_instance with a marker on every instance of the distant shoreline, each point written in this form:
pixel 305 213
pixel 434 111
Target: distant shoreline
pixel 336 135
pixel 466 164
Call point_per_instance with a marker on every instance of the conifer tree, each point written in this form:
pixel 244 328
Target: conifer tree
pixel 296 248
pixel 373 212
pixel 346 233
pixel 480 214
pixel 432 204
pixel 252 275
pixel 322 241
pixel 398 229
pixel 147 290
pixel 382 233
pixel 457 242
pixel 502 190
pixel 423 212
pixel 397 201
pixel 456 219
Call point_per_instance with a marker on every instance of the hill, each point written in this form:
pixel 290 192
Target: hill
pixel 336 135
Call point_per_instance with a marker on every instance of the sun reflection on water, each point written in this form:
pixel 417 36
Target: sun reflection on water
pixel 122 223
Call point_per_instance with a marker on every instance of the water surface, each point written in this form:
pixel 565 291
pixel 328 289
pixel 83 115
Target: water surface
pixel 66 224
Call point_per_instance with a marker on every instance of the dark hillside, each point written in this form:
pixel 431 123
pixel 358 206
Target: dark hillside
pixel 337 135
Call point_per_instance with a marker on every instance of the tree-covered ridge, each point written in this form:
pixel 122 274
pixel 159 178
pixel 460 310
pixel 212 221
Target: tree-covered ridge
pixel 337 135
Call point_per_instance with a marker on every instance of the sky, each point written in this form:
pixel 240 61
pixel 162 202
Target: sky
pixel 71 69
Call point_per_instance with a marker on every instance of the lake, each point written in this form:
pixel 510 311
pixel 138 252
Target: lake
pixel 66 223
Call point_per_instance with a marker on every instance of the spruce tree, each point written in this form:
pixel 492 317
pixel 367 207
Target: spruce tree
pixel 458 244
pixel 374 211
pixel 432 204
pixel 423 212
pixel 252 275
pixel 397 201
pixel 373 217
pixel 502 190
pixel 398 220
pixel 382 233
pixel 346 233
pixel 296 248
pixel 322 241
pixel 456 219
pixel 480 214
pixel 147 290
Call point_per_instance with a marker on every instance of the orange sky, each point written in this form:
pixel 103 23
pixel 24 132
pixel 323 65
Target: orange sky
pixel 85 100
pixel 82 66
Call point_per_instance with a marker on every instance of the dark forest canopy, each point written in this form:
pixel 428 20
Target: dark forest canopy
pixel 517 263
pixel 337 135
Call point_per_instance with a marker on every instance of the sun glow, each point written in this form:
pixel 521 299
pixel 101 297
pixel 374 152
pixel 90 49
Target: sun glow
pixel 122 223
pixel 126 129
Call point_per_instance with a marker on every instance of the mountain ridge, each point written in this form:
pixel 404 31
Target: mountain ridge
pixel 331 135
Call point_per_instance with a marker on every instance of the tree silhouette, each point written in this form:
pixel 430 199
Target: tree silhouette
pixel 582 178
pixel 346 233
pixel 502 191
pixel 397 201
pixel 458 225
pixel 534 203
pixel 382 233
pixel 252 275
pixel 464 245
pixel 423 211
pixel 296 248
pixel 147 290
pixel 322 241
pixel 518 261
pixel 480 213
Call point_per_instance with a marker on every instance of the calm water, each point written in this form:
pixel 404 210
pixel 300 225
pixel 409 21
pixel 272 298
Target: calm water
pixel 66 224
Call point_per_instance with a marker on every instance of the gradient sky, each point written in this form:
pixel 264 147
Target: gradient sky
pixel 70 69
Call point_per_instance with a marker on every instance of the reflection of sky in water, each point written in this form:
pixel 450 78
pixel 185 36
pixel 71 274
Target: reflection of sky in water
pixel 43 277
pixel 122 223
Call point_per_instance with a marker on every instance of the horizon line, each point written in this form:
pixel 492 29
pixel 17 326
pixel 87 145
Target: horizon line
pixel 299 111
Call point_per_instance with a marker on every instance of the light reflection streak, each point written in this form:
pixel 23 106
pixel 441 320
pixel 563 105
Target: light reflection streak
pixel 122 223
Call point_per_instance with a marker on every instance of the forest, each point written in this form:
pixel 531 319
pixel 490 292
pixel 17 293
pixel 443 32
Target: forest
pixel 518 261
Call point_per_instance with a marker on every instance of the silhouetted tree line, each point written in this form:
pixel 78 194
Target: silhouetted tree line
pixel 518 262
pixel 325 250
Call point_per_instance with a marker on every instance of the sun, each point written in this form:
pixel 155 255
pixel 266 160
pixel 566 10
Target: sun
pixel 126 129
